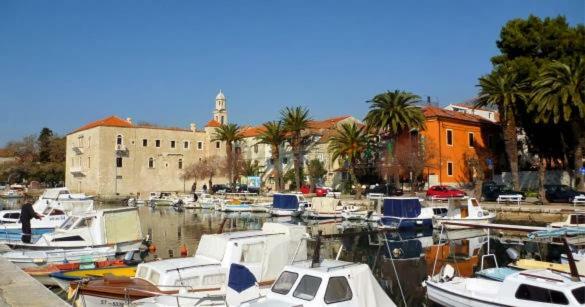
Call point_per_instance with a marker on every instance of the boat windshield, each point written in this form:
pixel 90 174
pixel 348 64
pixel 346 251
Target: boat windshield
pixel 284 282
pixel 474 202
pixel 579 294
pixel 70 221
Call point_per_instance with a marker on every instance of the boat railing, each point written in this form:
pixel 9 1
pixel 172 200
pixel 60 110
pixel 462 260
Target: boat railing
pixel 193 267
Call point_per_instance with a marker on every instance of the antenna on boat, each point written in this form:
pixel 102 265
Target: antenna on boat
pixel 317 252
pixel 572 266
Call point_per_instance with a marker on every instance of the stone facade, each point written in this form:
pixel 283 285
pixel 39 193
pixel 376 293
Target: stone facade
pixel 113 156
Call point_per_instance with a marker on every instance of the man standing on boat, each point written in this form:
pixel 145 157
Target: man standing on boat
pixel 27 213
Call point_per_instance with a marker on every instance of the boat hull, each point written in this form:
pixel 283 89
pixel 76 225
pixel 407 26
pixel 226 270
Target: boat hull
pixel 122 247
pixel 322 216
pixel 438 221
pixel 15 234
pixel 283 212
pixel 390 222
pixel 444 297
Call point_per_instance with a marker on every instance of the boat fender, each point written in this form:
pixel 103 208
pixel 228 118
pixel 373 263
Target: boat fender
pixel 447 273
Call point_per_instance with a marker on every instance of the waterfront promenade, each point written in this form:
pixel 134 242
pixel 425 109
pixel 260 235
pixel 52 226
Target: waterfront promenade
pixel 19 289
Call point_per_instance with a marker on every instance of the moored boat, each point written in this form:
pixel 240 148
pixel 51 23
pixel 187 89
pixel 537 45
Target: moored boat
pixel 463 210
pixel 407 213
pixel 32 258
pixel 290 204
pixel 324 208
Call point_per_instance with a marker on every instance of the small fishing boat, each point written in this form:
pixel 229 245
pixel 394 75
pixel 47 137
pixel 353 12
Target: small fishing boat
pixel 30 258
pixel 64 279
pixel 118 228
pixel 207 201
pixel 576 219
pixel 160 198
pixel 289 204
pixel 264 252
pixel 235 205
pixel 329 283
pixel 324 208
pixel 524 288
pixel 260 206
pixel 43 273
pixel 356 213
pixel 463 210
pixel 407 213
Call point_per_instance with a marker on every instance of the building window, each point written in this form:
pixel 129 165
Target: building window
pixel 217 144
pixel 284 160
pixel 89 141
pixel 471 139
pixel 157 143
pixel 150 162
pixel 186 144
pixel 222 119
pixel 449 137
pixel 119 140
pixel 118 161
pixel 449 168
pixel 180 163
pixel 144 142
pixel 256 148
pixel 199 145
pixel 88 162
pixel 173 144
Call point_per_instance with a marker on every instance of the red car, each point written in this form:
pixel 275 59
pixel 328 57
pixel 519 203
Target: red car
pixel 443 191
pixel 319 191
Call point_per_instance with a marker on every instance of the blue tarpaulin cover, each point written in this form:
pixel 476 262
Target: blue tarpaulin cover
pixel 284 201
pixel 240 278
pixel 402 207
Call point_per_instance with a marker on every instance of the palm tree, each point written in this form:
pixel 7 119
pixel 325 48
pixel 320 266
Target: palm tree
pixel 506 90
pixel 274 135
pixel 392 113
pixel 559 95
pixel 348 144
pixel 295 120
pixel 230 134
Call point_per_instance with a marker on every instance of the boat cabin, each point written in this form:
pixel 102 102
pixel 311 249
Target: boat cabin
pixel 288 204
pixel 576 219
pixel 465 207
pixel 264 252
pixel 330 283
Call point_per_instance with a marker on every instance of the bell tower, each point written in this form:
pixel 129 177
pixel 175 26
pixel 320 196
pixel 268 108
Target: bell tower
pixel 220 112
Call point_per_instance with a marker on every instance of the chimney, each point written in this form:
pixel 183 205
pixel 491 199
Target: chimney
pixel 429 100
pixel 129 120
pixel 193 127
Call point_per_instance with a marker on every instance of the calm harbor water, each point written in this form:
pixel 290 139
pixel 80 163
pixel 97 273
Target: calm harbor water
pixel 400 260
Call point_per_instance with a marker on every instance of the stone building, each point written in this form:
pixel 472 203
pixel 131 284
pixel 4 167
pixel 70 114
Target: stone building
pixel 114 156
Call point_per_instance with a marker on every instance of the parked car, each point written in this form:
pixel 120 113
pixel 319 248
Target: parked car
pixel 320 191
pixel 219 188
pixel 388 189
pixel 443 191
pixel 490 191
pixel 560 193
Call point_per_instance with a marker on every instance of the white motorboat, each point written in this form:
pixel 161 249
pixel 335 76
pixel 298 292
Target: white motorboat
pixel 207 201
pixel 463 210
pixel 234 205
pixel 30 258
pixel 330 283
pixel 54 204
pixel 576 219
pixel 376 202
pixel 264 252
pixel 260 206
pixel 289 204
pixel 118 228
pixel 324 208
pixel 160 198
pixel 528 288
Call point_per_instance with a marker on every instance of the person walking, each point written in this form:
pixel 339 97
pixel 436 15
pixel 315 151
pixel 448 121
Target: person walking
pixel 27 213
pixel 204 188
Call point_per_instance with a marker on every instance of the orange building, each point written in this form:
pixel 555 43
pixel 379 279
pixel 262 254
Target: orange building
pixel 462 142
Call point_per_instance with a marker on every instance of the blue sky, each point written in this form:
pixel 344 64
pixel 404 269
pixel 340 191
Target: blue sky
pixel 65 63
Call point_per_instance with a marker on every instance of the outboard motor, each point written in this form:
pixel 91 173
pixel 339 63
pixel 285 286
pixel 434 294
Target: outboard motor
pixel 512 253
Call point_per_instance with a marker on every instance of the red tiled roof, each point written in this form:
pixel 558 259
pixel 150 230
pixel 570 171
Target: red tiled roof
pixel 111 121
pixel 213 123
pixel 430 111
pixel 248 132
pixel 327 123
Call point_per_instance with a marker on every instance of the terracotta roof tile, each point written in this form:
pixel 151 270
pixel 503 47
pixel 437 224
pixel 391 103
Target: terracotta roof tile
pixel 248 132
pixel 213 123
pixel 430 111
pixel 327 123
pixel 111 121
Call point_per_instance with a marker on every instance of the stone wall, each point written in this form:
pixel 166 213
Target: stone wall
pixel 529 179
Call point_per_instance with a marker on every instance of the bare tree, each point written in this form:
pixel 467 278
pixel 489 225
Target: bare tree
pixel 206 168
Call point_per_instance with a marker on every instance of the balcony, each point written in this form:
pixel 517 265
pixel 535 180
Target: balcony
pixel 75 170
pixel 78 150
pixel 120 148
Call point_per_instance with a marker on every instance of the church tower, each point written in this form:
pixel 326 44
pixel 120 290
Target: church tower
pixel 220 112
